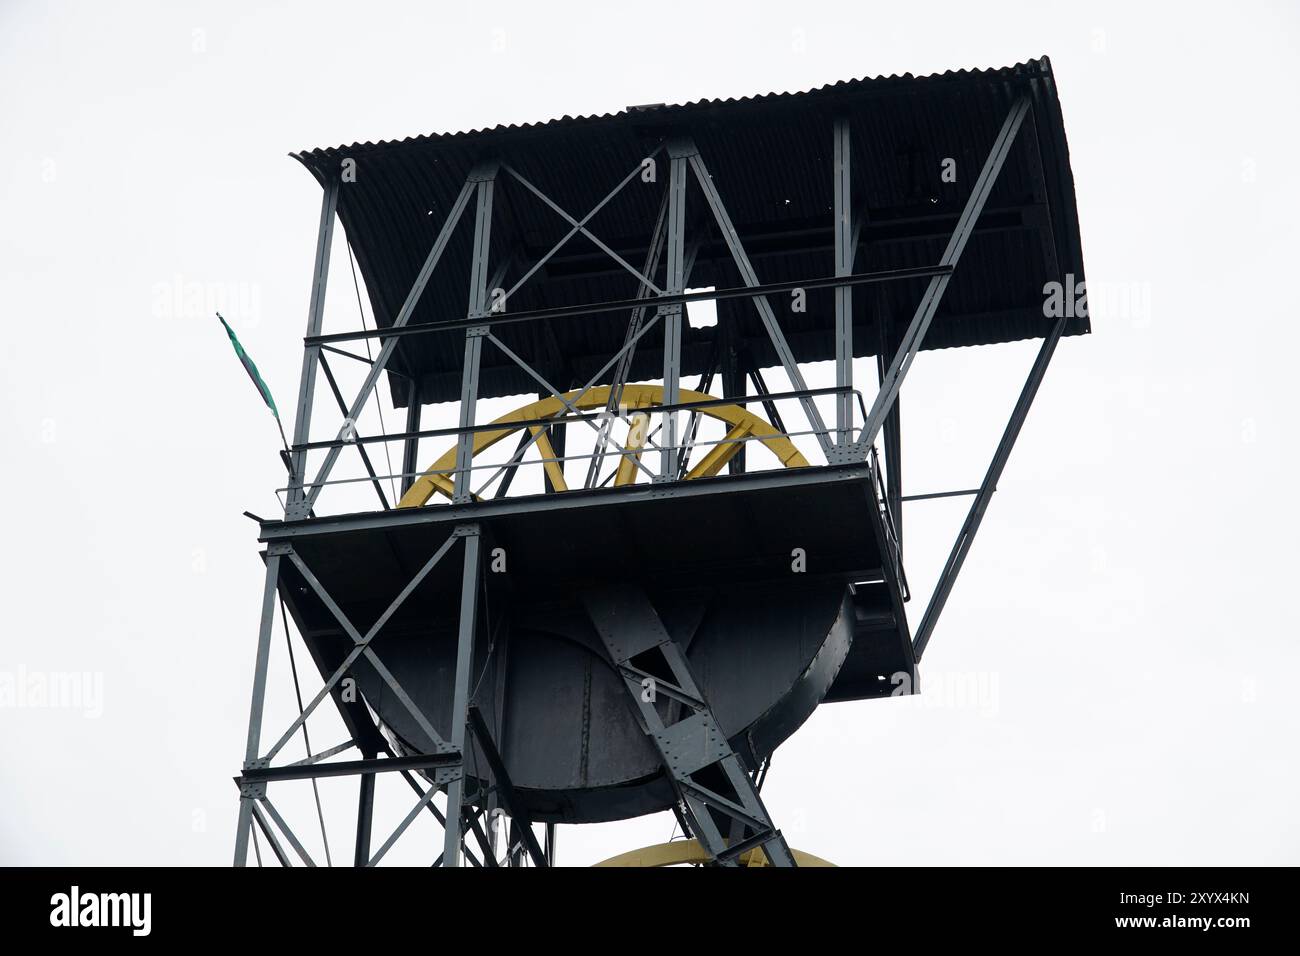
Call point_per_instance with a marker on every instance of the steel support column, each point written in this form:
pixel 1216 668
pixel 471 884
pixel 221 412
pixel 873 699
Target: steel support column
pixel 733 372
pixel 844 248
pixel 469 588
pixel 557 436
pixel 411 446
pixel 750 279
pixel 302 509
pixel 653 254
pixel 550 844
pixel 365 816
pixel 468 399
pixel 315 313
pixel 478 308
pixel 674 284
pixel 248 795
pixel 892 428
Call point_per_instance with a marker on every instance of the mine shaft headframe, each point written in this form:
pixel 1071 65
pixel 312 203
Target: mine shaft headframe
pixel 535 315
pixel 509 340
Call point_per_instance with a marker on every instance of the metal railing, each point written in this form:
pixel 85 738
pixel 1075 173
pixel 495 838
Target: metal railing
pixel 892 542
pixel 608 448
pixel 502 473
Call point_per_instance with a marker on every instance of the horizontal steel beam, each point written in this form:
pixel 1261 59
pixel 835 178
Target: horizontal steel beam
pixel 622 305
pixel 501 507
pixel 808 236
pixel 940 494
pixel 345 768
pixel 514 425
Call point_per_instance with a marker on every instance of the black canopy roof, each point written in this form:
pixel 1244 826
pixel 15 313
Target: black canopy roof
pixel 770 159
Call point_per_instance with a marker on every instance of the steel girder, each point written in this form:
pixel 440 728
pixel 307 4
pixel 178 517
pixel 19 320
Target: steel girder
pixel 715 792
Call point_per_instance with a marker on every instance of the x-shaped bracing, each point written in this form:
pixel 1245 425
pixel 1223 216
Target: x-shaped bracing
pixel 445 761
pixel 361 647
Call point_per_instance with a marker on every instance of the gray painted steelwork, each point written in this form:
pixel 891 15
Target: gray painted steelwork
pixel 770 157
pixel 607 652
pixel 570 744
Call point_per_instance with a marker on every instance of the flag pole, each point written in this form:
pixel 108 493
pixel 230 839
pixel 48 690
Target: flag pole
pixel 263 389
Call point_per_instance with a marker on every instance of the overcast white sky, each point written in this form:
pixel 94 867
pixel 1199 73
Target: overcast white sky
pixel 1127 612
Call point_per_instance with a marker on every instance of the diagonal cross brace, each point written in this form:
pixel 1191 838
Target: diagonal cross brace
pixel 750 279
pixel 302 508
pixel 581 226
pixel 590 384
pixel 570 404
pixel 534 434
pixel 925 311
pixel 653 254
pixel 483 736
pixel 629 627
pixel 361 646
pixel 976 513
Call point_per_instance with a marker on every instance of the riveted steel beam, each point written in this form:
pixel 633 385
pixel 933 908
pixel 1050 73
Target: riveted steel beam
pixel 694 751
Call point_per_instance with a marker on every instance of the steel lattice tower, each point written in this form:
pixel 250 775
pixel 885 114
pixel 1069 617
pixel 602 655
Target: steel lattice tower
pixel 642 630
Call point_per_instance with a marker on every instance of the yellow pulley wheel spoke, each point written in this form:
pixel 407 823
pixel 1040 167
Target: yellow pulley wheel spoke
pixel 744 425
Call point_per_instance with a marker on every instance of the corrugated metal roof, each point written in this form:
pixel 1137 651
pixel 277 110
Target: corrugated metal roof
pixel 770 159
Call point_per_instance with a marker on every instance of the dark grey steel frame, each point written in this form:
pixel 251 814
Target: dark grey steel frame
pixel 669 244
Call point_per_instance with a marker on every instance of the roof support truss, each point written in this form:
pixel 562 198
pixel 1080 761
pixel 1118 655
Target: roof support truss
pixel 925 311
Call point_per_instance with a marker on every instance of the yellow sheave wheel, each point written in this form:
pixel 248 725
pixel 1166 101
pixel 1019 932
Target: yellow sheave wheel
pixel 637 398
pixel 683 852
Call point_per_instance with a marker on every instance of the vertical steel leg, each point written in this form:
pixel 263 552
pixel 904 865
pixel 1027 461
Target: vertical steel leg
pixel 556 435
pixel 672 314
pixel 365 815
pixel 248 795
pixel 653 254
pixel 460 699
pixel 463 491
pixel 390 344
pixel 733 372
pixel 750 278
pixel 843 294
pixel 411 447
pixel 478 307
pixel 893 429
pixel 315 312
